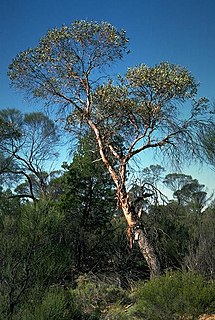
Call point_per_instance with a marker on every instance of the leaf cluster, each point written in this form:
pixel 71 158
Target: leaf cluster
pixel 59 65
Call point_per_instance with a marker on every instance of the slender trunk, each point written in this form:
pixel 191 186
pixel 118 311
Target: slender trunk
pixel 147 251
pixel 137 231
pixel 139 235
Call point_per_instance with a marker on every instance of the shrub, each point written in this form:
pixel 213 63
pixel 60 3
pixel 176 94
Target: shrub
pixel 55 304
pixel 174 296
pixel 116 312
pixel 97 297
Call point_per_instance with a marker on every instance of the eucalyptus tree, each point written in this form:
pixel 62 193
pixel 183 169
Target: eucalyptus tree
pixel 128 115
pixel 27 145
pixel 188 191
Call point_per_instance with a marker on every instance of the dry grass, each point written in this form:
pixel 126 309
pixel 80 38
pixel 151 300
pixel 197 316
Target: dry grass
pixel 207 317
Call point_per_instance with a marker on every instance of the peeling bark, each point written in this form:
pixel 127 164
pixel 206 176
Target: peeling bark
pixel 148 253
pixel 139 235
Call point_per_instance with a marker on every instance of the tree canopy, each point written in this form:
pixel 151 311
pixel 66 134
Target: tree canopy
pixel 27 146
pixel 66 68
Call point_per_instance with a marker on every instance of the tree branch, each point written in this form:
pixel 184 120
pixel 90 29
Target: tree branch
pixel 102 153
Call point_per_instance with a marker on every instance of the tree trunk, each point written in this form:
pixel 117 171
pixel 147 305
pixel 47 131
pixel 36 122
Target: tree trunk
pixel 147 251
pixel 137 231
pixel 139 235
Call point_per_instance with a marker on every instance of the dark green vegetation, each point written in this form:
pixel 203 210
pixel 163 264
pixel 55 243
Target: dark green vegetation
pixel 65 252
pixel 73 240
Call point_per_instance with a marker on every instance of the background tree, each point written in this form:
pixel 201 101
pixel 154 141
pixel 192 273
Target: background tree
pixel 187 191
pixel 200 253
pixel 152 174
pixel 27 147
pixel 87 201
pixel 143 110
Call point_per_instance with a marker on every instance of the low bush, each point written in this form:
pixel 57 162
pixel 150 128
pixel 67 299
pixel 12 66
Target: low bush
pixel 100 297
pixel 176 295
pixel 56 303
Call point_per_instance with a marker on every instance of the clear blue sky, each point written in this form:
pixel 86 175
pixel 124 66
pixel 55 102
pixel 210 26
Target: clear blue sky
pixel 178 31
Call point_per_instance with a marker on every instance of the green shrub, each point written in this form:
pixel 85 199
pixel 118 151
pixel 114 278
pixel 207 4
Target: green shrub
pixel 173 296
pixel 56 304
pixel 116 312
pixel 96 297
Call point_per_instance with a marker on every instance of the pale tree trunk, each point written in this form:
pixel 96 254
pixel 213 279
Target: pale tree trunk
pixel 138 234
pixel 137 231
pixel 148 252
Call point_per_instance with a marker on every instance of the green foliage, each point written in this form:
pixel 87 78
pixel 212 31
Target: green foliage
pixel 173 296
pixel 75 227
pixel 183 237
pixel 56 303
pixel 169 233
pixel 97 296
pixel 117 312
pixel 33 255
pixel 9 206
pixel 82 46
pixel 142 108
pixel 177 229
pixel 201 254
pixel 187 190
pixel 88 205
pixel 163 82
pixel 143 98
